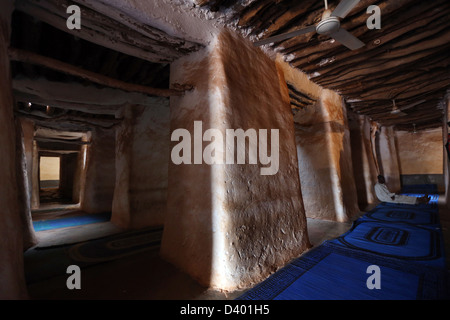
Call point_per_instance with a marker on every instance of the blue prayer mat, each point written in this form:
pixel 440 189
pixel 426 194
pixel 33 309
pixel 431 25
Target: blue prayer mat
pixel 404 241
pixel 398 240
pixel 330 272
pixel 43 225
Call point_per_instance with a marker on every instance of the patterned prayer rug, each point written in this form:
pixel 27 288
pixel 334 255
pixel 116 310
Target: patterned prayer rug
pixel 404 242
pixel 115 247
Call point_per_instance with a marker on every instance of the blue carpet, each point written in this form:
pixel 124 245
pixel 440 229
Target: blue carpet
pixel 407 242
pixel 331 272
pixel 404 241
pixel 43 225
pixel 420 188
pixel 405 214
pixel 348 281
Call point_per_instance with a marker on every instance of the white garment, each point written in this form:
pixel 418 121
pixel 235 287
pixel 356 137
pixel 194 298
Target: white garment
pixel 384 195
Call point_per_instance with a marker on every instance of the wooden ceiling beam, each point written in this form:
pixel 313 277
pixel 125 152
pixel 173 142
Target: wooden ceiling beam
pixel 49 146
pixel 423 118
pixel 391 119
pixel 397 47
pixel 67 105
pixel 395 91
pixel 315 50
pixel 283 22
pixel 422 91
pixel 66 141
pixel 418 127
pixel 266 16
pixel 141 41
pixel 163 39
pixel 435 61
pixel 32 58
pixel 250 13
pixel 312 56
pixel 372 67
pixel 416 116
pixel 76 96
pixel 391 91
pixel 373 106
pixel 433 42
pixel 440 86
pixel 406 60
pixel 358 88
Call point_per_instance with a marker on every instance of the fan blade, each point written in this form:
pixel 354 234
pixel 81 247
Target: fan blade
pixel 398 112
pixel 344 7
pixel 285 36
pixel 347 39
pixel 412 105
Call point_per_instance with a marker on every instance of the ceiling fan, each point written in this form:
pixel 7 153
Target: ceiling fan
pixel 399 111
pixel 329 25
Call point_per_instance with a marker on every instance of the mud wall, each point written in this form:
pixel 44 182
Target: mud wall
pixel 100 172
pixel 28 135
pixel 420 152
pixel 227 225
pixel 142 153
pixel 421 157
pixel 324 152
pixel 12 279
pixel 446 159
pixel 388 160
pixel 49 168
pixel 363 158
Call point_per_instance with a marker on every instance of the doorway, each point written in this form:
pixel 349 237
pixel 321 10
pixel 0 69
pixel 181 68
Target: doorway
pixel 49 178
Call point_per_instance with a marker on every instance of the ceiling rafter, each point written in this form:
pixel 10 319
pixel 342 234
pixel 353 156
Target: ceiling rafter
pixel 117 33
pixel 406 60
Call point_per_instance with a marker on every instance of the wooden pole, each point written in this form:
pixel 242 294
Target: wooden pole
pixel 33 58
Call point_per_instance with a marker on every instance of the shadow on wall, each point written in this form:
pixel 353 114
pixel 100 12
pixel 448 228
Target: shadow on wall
pixel 325 162
pixel 314 170
pixel 387 156
pixel 378 153
pixel 358 154
pixel 364 166
pixel 100 172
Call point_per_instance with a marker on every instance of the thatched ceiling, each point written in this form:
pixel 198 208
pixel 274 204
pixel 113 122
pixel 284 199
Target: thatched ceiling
pixel 407 60
pixel 132 53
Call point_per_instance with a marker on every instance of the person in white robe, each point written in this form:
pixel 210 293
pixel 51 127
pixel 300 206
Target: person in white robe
pixel 384 195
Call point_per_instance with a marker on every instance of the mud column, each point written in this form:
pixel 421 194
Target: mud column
pixel 228 225
pixel 12 280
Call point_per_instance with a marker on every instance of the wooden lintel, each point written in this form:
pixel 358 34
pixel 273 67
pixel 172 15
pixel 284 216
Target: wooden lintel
pixel 76 142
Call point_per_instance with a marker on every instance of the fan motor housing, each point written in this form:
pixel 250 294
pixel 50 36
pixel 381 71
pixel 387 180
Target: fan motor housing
pixel 328 25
